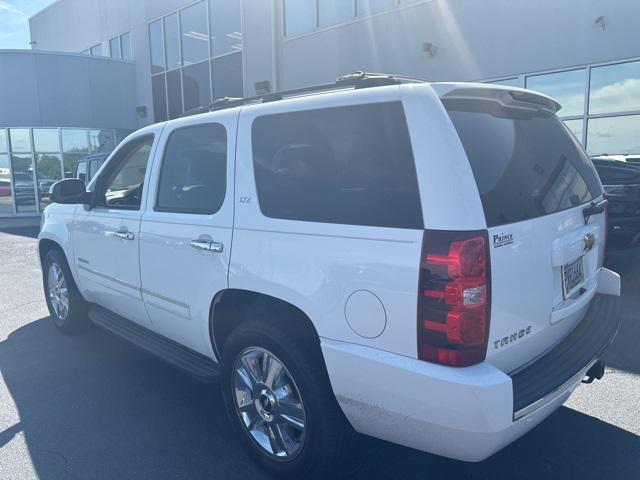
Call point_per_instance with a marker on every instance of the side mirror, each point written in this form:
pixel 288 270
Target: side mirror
pixel 69 191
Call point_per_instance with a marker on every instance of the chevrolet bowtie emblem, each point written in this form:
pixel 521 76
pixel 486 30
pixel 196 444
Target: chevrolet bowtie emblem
pixel 589 241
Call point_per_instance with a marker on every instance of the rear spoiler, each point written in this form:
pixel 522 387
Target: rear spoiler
pixel 505 96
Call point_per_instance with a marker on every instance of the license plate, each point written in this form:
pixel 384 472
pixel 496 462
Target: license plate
pixel 572 277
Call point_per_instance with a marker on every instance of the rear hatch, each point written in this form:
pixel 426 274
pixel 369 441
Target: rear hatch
pixel 535 182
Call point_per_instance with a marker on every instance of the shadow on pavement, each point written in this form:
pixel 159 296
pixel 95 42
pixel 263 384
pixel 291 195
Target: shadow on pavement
pixel 93 407
pixel 31 232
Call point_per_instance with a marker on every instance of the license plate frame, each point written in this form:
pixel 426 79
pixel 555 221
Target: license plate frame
pixel 572 277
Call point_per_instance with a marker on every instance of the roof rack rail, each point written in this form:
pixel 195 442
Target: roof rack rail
pixel 355 80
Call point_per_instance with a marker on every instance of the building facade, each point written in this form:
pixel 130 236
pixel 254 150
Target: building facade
pixel 185 53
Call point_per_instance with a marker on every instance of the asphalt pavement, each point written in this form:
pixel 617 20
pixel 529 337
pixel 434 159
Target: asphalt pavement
pixel 93 407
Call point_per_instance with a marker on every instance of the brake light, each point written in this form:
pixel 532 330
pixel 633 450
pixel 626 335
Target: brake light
pixel 454 298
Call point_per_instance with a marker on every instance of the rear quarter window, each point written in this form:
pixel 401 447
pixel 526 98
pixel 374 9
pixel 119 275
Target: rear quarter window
pixel 346 165
pixel 525 161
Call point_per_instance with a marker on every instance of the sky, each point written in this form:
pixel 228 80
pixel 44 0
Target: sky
pixel 14 21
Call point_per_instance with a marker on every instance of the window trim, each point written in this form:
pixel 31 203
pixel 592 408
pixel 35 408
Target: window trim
pixel 113 165
pixel 186 210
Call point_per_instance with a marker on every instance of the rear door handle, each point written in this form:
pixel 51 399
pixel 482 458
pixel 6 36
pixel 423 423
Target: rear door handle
pixel 123 234
pixel 207 245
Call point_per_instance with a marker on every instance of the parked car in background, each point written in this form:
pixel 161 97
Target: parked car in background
pixel 621 181
pixel 87 166
pixel 628 158
pixel 420 262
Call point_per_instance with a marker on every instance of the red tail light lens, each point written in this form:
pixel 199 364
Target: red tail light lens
pixel 454 298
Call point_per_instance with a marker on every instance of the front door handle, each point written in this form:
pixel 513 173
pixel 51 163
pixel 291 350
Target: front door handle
pixel 123 234
pixel 207 245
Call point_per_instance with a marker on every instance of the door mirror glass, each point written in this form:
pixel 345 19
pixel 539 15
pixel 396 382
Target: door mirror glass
pixel 69 191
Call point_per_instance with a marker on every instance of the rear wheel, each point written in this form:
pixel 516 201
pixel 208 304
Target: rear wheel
pixel 67 307
pixel 280 402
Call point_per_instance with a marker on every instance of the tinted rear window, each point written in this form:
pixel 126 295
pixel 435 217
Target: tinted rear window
pixel 347 165
pixel 525 161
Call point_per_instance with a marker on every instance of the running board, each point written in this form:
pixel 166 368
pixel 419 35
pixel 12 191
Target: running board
pixel 195 364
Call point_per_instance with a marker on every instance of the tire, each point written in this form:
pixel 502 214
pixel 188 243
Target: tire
pixel 319 448
pixel 59 286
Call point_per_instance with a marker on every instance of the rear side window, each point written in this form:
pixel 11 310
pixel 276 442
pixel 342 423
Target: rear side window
pixel 193 178
pixel 347 165
pixel 525 161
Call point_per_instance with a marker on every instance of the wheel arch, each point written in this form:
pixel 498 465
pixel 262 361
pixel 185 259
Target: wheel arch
pixel 231 306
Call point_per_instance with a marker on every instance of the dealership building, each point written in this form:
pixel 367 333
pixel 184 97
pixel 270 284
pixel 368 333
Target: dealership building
pixel 99 69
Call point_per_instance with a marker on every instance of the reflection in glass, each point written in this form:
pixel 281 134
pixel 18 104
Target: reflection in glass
pixel 227 76
pixel 172 41
pixel 615 88
pixel 25 192
pixel 101 141
pixel 197 91
pixel 576 127
pixel 46 140
pixel 125 46
pixel 114 48
pixel 614 135
pixel 20 141
pixel 331 12
pixel 4 146
pixel 510 82
pixel 97 50
pixel 48 171
pixel 195 33
pixel 299 16
pixel 157 47
pixel 368 7
pixel 159 93
pixel 6 201
pixel 567 88
pixel 174 92
pixel 74 146
pixel 226 30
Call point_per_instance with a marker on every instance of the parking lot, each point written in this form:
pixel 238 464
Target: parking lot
pixel 93 407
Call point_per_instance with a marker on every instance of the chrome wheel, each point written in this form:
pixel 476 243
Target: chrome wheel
pixel 268 403
pixel 58 292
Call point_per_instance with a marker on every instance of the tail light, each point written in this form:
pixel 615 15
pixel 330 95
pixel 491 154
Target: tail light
pixel 454 298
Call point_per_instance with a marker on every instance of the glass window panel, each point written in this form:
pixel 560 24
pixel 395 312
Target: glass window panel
pixel 48 169
pixel 46 140
pixel 368 7
pixel 299 16
pixel 159 98
pixel 6 201
pixel 197 90
pixel 101 141
pixel 510 82
pixel 172 41
pixel 121 134
pixel 614 135
pixel 20 141
pixel 195 33
pixel 226 29
pixel 125 46
pixel 567 88
pixel 331 12
pixel 23 183
pixel 157 47
pixel 227 76
pixel 194 170
pixel 174 92
pixel 114 48
pixel 615 88
pixel 97 50
pixel 576 127
pixel 70 160
pixel 4 146
pixel 74 141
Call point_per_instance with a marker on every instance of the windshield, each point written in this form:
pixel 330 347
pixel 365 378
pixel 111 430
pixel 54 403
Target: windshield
pixel 525 162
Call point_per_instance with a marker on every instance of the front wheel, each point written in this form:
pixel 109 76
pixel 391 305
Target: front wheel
pixel 67 307
pixel 279 399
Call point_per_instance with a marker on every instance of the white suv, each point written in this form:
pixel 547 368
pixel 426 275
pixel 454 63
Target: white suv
pixel 419 262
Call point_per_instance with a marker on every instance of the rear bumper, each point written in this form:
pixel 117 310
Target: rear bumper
pixel 461 413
